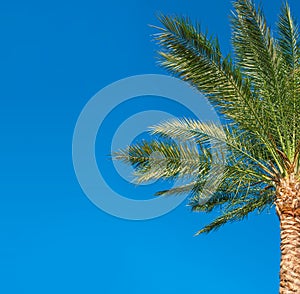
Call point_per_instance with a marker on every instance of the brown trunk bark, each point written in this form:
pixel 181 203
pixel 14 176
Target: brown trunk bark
pixel 288 210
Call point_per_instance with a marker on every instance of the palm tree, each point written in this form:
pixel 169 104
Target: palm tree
pixel 257 93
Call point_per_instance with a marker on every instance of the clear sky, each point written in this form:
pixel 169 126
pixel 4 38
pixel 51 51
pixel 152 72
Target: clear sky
pixel 54 56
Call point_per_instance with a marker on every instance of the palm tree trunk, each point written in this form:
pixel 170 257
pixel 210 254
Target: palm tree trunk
pixel 288 210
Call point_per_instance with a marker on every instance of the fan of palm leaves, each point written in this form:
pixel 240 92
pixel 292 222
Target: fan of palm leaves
pixel 255 90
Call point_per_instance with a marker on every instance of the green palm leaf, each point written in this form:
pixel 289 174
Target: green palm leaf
pixel 289 47
pixel 239 212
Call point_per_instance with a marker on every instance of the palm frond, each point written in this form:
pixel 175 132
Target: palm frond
pixel 164 159
pixel 239 212
pixel 256 54
pixel 183 189
pixel 289 48
pixel 289 38
pixel 241 148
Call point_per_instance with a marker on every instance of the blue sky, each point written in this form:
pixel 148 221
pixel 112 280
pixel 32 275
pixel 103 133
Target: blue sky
pixel 54 56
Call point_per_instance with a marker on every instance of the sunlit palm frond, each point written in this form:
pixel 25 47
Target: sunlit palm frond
pixel 289 48
pixel 289 38
pixel 164 159
pixel 240 146
pixel 196 58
